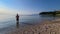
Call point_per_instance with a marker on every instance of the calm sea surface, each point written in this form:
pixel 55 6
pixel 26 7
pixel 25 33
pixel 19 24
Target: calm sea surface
pixel 7 22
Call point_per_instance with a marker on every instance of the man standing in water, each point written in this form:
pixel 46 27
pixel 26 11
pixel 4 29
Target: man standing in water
pixel 17 17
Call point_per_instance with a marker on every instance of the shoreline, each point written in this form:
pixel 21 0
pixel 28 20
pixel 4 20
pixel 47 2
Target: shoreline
pixel 37 28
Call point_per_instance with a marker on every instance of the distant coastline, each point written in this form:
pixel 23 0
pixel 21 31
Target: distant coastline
pixel 56 13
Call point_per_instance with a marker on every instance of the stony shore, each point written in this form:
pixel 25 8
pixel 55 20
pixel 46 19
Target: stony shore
pixel 46 27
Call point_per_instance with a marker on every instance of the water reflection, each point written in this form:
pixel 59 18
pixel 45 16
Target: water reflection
pixel 17 24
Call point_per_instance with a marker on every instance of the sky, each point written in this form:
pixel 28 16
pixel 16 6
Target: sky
pixel 27 7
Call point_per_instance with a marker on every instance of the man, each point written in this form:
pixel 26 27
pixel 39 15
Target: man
pixel 17 17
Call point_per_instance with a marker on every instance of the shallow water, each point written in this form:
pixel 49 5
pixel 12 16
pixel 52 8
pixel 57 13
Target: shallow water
pixel 9 23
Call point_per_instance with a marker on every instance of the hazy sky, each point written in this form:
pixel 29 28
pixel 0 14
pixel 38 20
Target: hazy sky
pixel 28 6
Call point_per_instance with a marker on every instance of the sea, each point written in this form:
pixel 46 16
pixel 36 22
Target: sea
pixel 7 22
